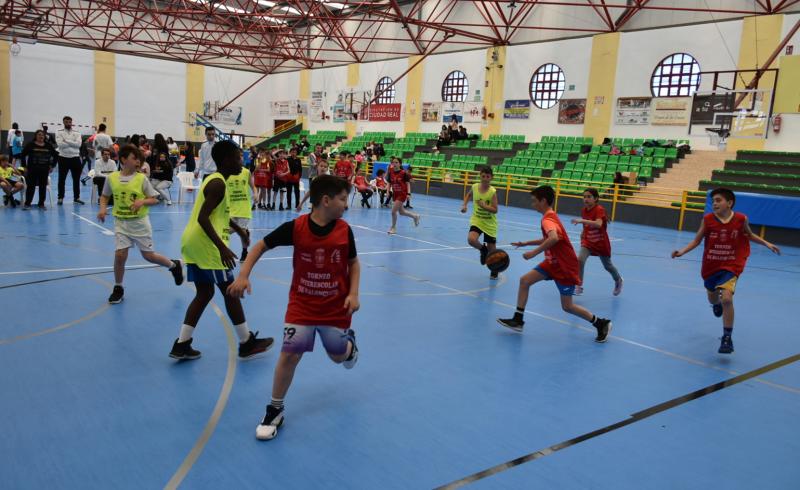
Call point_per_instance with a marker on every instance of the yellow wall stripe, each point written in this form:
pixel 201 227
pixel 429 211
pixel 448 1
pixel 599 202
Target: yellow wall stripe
pixel 5 86
pixel 353 79
pixel 602 77
pixel 104 89
pixel 787 96
pixel 305 94
pixel 413 108
pixel 195 96
pixel 494 90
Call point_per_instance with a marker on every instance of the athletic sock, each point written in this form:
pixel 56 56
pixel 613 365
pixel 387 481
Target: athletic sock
pixel 186 333
pixel 519 314
pixel 242 332
pixel 174 265
pixel 277 403
pixel 593 320
pixel 727 330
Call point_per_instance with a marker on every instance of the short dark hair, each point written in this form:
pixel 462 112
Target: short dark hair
pixel 103 150
pixel 224 150
pixel 327 185
pixel 131 149
pixel 726 194
pixel 65 118
pixel 101 127
pixel 14 126
pixel 487 169
pixel 209 128
pixel 546 193
pixel 380 172
pixel 593 192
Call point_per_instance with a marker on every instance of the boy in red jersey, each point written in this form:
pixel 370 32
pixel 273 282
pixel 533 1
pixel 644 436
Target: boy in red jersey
pixel 560 265
pixel 594 239
pixel 400 183
pixel 727 236
pixel 280 179
pixel 324 290
pixel 344 168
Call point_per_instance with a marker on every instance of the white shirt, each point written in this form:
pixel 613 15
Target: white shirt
pixel 206 165
pixel 102 168
pixel 102 140
pixel 68 143
pixel 10 137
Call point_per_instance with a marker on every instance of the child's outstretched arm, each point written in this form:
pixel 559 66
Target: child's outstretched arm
pixel 552 239
pixel 755 238
pixel 697 240
pixel 467 197
pixel 351 303
pixel 242 283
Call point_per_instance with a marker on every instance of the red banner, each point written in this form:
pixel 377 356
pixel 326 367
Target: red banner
pixel 382 112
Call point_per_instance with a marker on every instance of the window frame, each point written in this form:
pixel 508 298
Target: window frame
pixel 538 86
pixel 453 87
pixel 388 96
pixel 680 88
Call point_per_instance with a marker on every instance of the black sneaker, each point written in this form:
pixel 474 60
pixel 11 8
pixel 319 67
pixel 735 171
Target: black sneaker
pixel 183 351
pixel 268 428
pixel 116 295
pixel 177 272
pixel 254 346
pixel 353 358
pixel 484 253
pixel 61 202
pixel 5 200
pixel 13 202
pixel 78 201
pixel 717 309
pixel 42 207
pixel 726 345
pixel 494 275
pixel 512 323
pixel 280 208
pixel 603 326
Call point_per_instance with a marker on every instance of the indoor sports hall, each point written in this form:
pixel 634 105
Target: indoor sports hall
pixel 653 105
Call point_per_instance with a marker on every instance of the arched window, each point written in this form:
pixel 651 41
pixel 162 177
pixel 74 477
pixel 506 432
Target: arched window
pixel 678 75
pixel 547 85
pixel 385 91
pixel 455 87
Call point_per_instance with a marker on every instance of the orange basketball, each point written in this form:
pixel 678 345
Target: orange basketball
pixel 498 261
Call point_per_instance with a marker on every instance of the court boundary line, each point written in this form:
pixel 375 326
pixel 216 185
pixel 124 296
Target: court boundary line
pixel 216 414
pixel 105 231
pixel 632 419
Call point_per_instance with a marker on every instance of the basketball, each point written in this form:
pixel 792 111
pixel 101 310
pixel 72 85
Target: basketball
pixel 498 261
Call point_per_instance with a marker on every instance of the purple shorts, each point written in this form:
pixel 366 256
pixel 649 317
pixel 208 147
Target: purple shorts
pixel 298 339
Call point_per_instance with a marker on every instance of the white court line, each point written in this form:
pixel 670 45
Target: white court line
pixel 106 231
pixel 75 269
pixel 399 236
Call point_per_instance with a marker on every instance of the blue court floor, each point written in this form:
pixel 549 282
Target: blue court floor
pixel 90 398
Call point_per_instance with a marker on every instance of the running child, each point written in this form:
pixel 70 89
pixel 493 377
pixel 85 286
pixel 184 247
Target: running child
pixel 484 215
pixel 240 195
pixel 400 182
pixel 133 196
pixel 209 261
pixel 727 236
pixel 379 183
pixel 560 265
pixel 594 238
pixel 324 291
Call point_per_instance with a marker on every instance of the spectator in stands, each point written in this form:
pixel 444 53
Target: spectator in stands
pixel 453 127
pixel 40 158
pixel 207 166
pixel 188 157
pixel 161 175
pixel 304 144
pixel 102 169
pixel 462 133
pixel 359 157
pixel 174 152
pixel 69 143
pixel 444 137
pixel 615 150
pixel 379 151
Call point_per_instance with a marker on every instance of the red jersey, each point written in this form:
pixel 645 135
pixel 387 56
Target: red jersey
pixel 398 180
pixel 727 246
pixel 560 261
pixel 596 239
pixel 321 279
pixel 361 183
pixel 262 175
pixel 282 170
pixel 343 169
pixel 380 183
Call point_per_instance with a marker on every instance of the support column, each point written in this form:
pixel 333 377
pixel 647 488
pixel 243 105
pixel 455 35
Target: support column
pixel 5 86
pixel 105 90
pixel 353 79
pixel 305 94
pixel 760 36
pixel 494 91
pixel 195 97
pixel 413 108
pixel 602 78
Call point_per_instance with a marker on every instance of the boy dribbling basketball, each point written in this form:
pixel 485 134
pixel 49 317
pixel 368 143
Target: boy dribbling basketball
pixel 484 215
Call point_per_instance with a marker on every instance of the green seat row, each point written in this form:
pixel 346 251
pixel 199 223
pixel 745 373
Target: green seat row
pixel 567 147
pixel 749 186
pixel 494 145
pixel 581 140
pixel 516 138
pixel 747 173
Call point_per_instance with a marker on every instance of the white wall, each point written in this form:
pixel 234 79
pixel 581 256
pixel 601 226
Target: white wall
pixel 641 51
pixel 369 75
pixel 49 82
pixel 150 97
pixel 573 56
pixel 329 81
pixel 437 67
pixel 223 85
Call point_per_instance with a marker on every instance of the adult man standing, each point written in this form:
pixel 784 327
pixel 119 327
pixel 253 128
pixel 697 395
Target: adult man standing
pixel 68 144
pixel 207 166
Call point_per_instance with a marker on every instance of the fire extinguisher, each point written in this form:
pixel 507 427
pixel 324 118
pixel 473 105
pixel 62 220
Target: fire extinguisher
pixel 776 124
pixel 483 113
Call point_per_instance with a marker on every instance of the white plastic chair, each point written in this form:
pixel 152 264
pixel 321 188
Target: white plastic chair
pixel 25 189
pixel 90 175
pixel 187 182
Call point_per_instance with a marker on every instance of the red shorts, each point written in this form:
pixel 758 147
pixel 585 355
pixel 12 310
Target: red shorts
pixel 400 196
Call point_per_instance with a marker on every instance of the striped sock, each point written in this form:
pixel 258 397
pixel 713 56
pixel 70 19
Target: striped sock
pixel 277 403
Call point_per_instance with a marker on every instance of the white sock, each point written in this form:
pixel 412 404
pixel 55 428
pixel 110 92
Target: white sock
pixel 186 333
pixel 242 332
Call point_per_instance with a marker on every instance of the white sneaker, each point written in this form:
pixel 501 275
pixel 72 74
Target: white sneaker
pixel 268 428
pixel 416 220
pixel 618 287
pixel 392 231
pixel 169 203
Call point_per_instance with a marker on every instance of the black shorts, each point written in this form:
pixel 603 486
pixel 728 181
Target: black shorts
pixel 278 185
pixel 486 238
